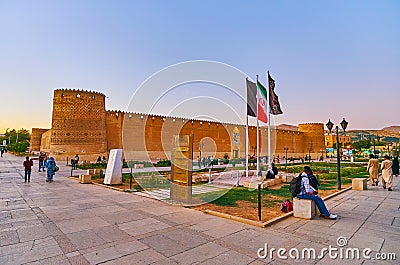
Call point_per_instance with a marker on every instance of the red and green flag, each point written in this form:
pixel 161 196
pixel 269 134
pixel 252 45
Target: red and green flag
pixel 262 103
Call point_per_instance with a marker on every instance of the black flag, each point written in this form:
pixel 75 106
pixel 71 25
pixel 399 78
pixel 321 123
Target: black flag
pixel 274 106
pixel 251 98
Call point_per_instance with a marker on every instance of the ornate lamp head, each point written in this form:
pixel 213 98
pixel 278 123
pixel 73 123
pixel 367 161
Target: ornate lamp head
pixel 344 124
pixel 329 125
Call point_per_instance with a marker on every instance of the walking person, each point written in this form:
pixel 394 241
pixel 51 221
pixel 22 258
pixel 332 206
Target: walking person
pixel 76 160
pixel 373 169
pixel 51 164
pixel 387 172
pixel 41 161
pixel 308 192
pixel 45 158
pixel 395 166
pixel 28 168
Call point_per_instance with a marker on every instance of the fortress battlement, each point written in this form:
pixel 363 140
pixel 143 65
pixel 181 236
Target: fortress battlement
pixel 77 90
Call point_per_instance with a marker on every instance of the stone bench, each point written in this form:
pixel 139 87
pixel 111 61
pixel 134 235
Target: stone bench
pixel 93 171
pixel 85 179
pixel 138 166
pixel 359 183
pixel 305 209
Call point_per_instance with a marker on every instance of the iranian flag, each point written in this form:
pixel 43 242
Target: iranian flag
pixel 262 103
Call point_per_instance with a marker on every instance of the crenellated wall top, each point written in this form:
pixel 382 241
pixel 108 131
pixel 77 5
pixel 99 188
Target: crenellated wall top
pixel 77 90
pixel 128 115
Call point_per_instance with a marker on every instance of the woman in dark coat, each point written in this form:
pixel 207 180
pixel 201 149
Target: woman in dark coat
pixel 395 166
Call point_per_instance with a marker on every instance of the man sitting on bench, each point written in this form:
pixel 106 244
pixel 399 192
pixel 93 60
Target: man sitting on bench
pixel 308 192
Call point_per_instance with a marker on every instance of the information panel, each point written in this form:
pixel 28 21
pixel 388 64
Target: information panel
pixel 181 169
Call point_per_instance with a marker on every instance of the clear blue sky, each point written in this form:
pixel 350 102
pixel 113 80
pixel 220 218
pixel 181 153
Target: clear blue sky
pixel 330 59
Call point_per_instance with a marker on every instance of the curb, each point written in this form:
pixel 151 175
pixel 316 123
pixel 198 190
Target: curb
pixel 277 219
pixel 336 193
pixel 235 218
pixel 106 186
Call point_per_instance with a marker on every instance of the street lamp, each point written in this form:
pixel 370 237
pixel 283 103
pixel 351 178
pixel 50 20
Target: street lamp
pixel 201 146
pixel 329 125
pixel 379 138
pixel 286 150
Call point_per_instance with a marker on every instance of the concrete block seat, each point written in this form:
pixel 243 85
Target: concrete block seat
pixel 303 208
pixel 359 183
pixel 85 179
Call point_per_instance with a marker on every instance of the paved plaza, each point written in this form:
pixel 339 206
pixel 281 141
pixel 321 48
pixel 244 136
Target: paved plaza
pixel 65 222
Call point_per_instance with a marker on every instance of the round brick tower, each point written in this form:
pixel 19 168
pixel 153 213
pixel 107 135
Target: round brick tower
pixel 36 139
pixel 78 124
pixel 314 139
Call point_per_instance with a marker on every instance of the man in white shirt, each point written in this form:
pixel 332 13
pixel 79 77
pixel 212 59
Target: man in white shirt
pixel 308 192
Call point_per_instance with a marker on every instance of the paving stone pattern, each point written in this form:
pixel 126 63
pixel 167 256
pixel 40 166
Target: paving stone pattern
pixel 65 222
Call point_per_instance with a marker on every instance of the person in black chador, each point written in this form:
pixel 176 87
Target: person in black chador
pixel 395 166
pixel 272 172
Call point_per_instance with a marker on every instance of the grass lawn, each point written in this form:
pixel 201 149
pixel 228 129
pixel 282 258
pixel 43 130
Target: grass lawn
pixel 242 201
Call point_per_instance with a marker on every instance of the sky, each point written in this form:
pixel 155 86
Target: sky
pixel 330 59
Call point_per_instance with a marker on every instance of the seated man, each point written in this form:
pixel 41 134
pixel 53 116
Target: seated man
pixel 272 172
pixel 307 192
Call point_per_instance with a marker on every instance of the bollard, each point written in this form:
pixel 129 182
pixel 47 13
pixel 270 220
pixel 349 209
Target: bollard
pixel 259 202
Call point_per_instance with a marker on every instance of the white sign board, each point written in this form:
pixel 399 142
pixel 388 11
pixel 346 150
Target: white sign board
pixel 114 167
pixel 4 142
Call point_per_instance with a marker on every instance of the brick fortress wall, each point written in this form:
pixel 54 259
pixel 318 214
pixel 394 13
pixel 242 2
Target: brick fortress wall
pixel 81 124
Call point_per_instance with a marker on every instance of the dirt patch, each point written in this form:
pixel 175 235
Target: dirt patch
pixel 244 209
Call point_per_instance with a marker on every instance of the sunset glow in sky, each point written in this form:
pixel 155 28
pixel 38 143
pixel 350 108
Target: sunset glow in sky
pixel 330 59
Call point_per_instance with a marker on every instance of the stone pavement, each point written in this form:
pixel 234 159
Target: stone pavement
pixel 65 222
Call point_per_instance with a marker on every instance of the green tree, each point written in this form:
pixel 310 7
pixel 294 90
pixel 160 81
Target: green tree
pixel 362 144
pixel 17 141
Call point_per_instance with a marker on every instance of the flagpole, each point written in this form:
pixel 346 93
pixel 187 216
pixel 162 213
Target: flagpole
pixel 269 123
pixel 247 139
pixel 257 97
pixel 247 146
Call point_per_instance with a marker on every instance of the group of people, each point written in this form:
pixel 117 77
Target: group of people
pixel 388 168
pixel 204 161
pixel 49 164
pixel 101 160
pixel 42 161
pixel 309 183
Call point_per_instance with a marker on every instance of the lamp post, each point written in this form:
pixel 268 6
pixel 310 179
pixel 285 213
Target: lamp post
pixel 286 150
pixel 329 125
pixel 379 138
pixel 201 146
